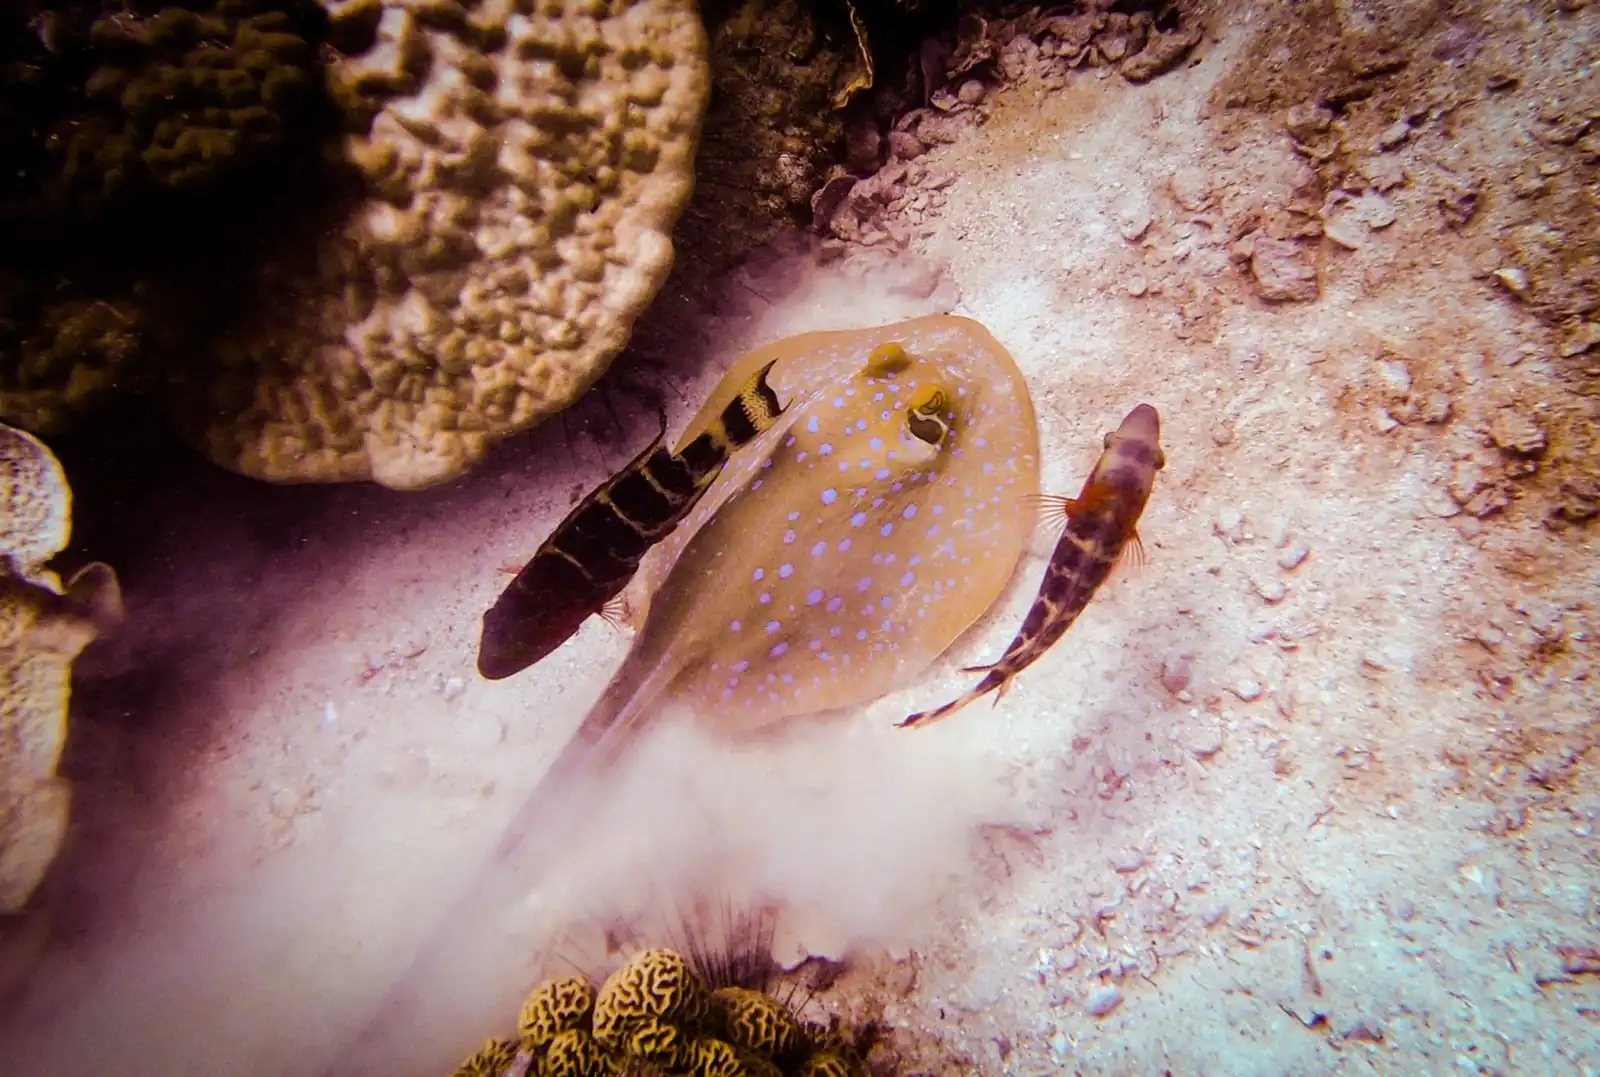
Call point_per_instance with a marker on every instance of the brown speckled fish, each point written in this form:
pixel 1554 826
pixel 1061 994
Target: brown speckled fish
pixel 833 561
pixel 1101 524
pixel 593 553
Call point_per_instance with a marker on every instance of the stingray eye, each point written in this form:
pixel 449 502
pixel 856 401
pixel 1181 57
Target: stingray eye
pixel 1105 442
pixel 885 359
pixel 923 416
pixel 1160 460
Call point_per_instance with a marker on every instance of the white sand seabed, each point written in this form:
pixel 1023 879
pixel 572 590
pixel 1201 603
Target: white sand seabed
pixel 1266 809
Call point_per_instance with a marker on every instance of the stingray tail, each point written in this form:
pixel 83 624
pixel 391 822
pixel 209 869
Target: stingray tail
pixel 470 966
pixel 995 679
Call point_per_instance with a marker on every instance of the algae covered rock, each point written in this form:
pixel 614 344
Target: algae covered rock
pixel 43 627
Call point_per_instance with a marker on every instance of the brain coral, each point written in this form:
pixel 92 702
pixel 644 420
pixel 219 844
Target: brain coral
pixel 522 164
pixel 663 1014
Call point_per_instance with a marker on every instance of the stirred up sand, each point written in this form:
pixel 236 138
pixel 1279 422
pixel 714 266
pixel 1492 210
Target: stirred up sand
pixel 1312 791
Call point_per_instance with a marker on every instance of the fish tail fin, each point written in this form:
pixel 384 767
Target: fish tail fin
pixel 749 414
pixel 995 680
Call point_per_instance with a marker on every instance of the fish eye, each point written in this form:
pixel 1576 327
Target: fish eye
pixel 923 416
pixel 887 358
pixel 1105 442
pixel 1160 460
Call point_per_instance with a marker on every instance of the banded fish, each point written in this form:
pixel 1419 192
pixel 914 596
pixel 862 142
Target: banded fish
pixel 583 566
pixel 1102 525
pixel 834 559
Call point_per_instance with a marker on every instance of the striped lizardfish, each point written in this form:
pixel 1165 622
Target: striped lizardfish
pixel 1101 526
pixel 593 553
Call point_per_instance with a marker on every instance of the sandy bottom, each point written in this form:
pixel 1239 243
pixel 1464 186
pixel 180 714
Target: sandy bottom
pixel 1313 791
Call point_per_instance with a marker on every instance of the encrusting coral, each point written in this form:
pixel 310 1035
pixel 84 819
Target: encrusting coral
pixel 662 1014
pixel 43 627
pixel 523 165
pixel 117 128
pixel 360 240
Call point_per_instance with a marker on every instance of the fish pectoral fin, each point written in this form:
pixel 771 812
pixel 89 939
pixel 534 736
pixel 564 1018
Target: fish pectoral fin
pixel 614 612
pixel 1133 555
pixel 1053 509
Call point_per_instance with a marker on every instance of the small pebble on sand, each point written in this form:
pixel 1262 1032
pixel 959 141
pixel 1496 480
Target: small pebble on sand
pixel 1517 433
pixel 1103 1001
pixel 1271 591
pixel 1292 555
pixel 1205 742
pixel 1176 671
pixel 1132 217
pixel 1247 690
pixel 1229 524
pixel 1283 271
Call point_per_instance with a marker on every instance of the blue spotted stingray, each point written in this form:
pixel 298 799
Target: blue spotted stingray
pixel 838 555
